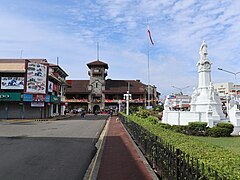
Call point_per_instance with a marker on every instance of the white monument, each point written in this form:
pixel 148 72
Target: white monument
pixel 204 98
pixel 205 104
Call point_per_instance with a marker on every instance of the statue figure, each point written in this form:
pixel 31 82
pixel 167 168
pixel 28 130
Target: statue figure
pixel 203 50
pixel 232 101
pixel 166 104
pixel 194 95
pixel 211 91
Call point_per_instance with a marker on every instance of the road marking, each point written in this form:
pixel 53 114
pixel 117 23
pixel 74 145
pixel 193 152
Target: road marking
pixel 99 148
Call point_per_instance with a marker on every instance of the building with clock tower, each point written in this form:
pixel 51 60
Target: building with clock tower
pixel 97 84
pixel 101 94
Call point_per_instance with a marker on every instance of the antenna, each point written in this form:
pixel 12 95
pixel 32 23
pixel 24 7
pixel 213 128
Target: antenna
pixel 21 54
pixel 57 60
pixel 98 51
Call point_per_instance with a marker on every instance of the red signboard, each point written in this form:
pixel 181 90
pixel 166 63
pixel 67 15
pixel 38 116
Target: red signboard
pixel 55 87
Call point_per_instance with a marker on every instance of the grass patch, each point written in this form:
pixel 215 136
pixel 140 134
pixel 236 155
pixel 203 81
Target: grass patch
pixel 228 143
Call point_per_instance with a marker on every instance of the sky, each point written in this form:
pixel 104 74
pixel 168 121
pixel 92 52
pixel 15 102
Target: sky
pixel 71 29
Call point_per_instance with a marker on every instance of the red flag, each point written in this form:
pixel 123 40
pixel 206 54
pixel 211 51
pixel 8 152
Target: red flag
pixel 150 37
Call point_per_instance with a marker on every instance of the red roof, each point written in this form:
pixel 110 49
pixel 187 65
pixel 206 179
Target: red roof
pixel 97 63
pixel 112 87
pixel 121 86
pixel 78 87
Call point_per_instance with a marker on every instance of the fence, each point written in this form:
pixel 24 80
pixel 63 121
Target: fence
pixel 167 161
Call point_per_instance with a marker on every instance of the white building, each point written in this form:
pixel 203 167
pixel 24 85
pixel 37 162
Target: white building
pixel 226 89
pixel 179 101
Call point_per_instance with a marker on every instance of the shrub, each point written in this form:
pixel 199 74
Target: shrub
pixel 226 125
pixel 179 128
pixel 165 126
pixel 217 132
pixel 142 113
pixel 152 119
pixel 197 128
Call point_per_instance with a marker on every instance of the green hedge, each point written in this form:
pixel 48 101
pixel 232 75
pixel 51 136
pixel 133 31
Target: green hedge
pixel 221 130
pixel 222 160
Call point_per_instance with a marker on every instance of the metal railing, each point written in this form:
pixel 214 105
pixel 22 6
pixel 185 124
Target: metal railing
pixel 168 161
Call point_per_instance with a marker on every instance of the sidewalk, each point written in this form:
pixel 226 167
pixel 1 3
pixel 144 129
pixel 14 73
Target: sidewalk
pixel 120 158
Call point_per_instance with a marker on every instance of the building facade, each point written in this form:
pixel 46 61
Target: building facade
pixel 99 93
pixel 226 89
pixel 179 102
pixel 31 88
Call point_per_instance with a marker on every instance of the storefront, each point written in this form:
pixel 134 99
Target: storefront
pixel 11 106
pixel 36 106
pixel 55 107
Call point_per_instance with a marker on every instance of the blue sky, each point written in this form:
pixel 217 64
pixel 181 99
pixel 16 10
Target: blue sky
pixel 71 29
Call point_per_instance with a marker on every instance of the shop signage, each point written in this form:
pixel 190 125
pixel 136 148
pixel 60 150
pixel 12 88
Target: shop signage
pixel 47 98
pixel 36 78
pixel 37 104
pixel 55 99
pixel 36 97
pixel 27 97
pixel 39 97
pixel 55 87
pixel 50 86
pixel 12 82
pixel 4 96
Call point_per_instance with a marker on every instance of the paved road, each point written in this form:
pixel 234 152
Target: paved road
pixel 48 150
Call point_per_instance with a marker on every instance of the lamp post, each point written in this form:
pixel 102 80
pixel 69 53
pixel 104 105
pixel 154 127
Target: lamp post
pixel 235 75
pixel 127 97
pixel 180 89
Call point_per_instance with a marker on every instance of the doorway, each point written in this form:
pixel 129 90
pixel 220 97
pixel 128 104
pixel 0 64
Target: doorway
pixel 96 108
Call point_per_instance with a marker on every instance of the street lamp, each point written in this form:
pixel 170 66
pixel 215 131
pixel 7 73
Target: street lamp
pixel 180 89
pixel 127 97
pixel 235 75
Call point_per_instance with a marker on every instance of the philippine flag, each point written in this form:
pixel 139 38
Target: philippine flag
pixel 150 37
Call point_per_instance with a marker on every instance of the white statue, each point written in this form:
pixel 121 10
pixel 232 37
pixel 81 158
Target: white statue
pixel 203 50
pixel 194 95
pixel 232 101
pixel 211 91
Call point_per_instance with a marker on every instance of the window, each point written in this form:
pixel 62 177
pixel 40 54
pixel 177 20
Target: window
pixel 96 70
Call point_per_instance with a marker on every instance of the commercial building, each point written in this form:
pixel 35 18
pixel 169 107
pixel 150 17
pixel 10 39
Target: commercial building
pixel 225 90
pixel 179 101
pixel 31 88
pixel 99 93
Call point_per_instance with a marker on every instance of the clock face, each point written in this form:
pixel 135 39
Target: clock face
pixel 208 65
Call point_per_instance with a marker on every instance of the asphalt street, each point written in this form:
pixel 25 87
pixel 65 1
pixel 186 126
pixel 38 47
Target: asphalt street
pixel 48 150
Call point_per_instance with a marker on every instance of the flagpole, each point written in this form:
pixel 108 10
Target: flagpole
pixel 148 74
pixel 148 55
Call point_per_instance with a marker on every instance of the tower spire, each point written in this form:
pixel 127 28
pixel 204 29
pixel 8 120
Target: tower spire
pixel 98 51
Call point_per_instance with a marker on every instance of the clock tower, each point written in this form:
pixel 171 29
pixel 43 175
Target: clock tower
pixel 96 85
pixel 204 98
